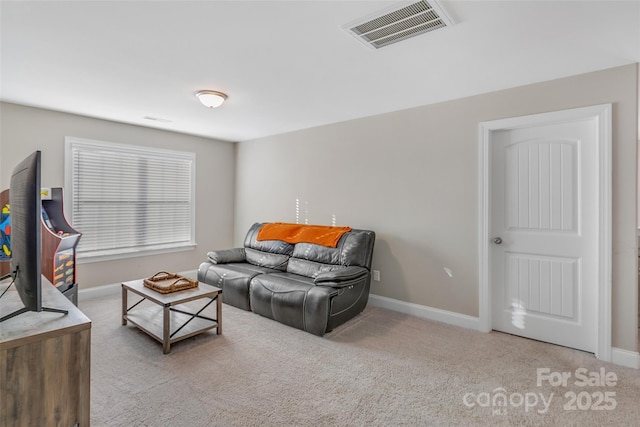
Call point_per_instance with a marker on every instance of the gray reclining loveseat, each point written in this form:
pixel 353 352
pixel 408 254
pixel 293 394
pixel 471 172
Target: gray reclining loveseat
pixel 308 286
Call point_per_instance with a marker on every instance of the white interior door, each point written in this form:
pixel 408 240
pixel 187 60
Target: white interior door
pixel 544 232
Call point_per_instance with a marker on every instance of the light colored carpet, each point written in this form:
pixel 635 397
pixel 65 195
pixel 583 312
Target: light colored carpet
pixel 381 369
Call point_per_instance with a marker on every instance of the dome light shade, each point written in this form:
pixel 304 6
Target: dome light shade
pixel 211 98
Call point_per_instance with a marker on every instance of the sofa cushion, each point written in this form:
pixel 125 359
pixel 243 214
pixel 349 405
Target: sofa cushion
pixel 280 297
pixel 354 248
pixel 317 253
pixel 307 268
pixel 270 246
pixel 293 300
pixel 266 259
pixel 266 253
pixel 233 279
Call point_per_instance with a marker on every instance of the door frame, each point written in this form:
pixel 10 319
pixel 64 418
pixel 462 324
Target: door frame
pixel 601 114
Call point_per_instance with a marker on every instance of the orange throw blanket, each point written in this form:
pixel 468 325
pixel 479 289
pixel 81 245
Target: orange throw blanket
pixel 301 233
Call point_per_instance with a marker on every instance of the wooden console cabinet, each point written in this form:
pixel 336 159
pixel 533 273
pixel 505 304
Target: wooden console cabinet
pixel 45 361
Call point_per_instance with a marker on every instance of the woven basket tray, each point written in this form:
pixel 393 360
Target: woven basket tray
pixel 165 283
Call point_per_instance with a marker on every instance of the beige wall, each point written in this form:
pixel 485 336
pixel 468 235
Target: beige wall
pixel 25 129
pixel 412 177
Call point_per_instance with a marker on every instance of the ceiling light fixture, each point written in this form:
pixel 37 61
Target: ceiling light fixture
pixel 211 98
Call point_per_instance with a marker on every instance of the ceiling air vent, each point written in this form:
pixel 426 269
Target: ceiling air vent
pixel 400 23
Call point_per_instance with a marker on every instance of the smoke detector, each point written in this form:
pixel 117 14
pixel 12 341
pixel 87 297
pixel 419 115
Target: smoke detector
pixel 399 23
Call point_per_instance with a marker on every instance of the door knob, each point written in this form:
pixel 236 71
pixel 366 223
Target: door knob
pixel 497 240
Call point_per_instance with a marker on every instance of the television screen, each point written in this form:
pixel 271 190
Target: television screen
pixel 26 210
pixel 26 204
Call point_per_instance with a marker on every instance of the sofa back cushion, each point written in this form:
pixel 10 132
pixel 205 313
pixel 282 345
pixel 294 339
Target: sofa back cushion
pixel 266 253
pixel 355 248
pixel 266 259
pixel 308 268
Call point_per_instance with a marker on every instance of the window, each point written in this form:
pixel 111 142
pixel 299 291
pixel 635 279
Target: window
pixel 128 200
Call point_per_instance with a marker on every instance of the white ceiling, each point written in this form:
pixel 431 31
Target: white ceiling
pixel 289 65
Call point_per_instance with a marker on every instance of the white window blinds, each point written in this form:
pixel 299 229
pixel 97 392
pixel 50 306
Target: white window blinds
pixel 126 199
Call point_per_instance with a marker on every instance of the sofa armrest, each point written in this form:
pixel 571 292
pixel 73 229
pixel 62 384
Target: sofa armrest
pixel 226 256
pixel 341 277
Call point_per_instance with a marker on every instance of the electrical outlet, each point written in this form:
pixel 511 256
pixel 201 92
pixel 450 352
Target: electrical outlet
pixel 376 275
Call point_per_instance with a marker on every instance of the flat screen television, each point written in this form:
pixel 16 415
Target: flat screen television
pixel 26 210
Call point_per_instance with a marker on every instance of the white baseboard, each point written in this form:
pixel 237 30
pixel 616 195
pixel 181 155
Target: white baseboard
pixel 630 359
pixel 425 312
pixel 113 288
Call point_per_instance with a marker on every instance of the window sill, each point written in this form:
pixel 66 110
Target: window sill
pixel 127 254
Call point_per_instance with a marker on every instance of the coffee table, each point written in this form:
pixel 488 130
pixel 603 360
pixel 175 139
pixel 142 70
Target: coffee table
pixel 156 319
